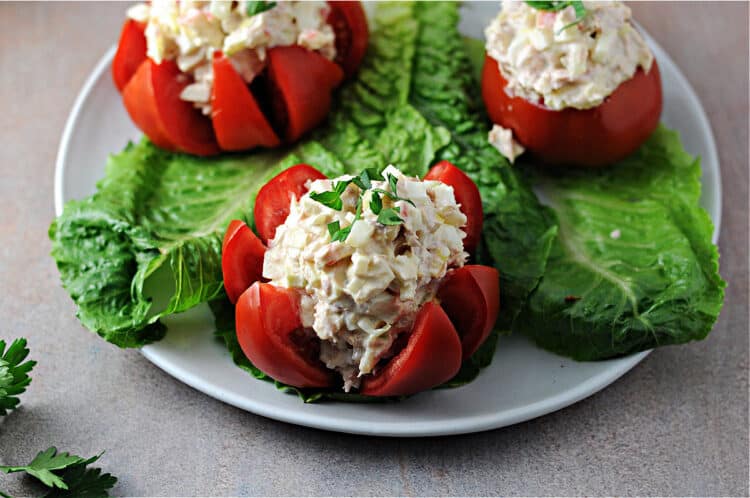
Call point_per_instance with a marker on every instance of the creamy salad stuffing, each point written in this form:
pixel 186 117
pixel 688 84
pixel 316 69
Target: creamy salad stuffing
pixel 549 58
pixel 189 32
pixel 360 293
pixel 502 139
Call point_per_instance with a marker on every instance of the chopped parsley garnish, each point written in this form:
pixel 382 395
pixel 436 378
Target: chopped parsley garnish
pixel 256 7
pixel 388 216
pixel 67 474
pixel 558 5
pixel 13 374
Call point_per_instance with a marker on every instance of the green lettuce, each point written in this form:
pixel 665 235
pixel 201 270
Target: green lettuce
pixel 518 231
pixel 633 266
pixel 148 242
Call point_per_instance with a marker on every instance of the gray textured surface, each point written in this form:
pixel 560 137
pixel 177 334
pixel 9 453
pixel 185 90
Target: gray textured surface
pixel 675 425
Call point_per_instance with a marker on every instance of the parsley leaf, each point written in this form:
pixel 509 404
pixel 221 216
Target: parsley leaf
pixel 44 463
pixel 390 216
pixel 333 228
pixel 393 183
pixel 13 374
pixel 256 7
pixel 328 199
pixel 84 482
pixel 67 474
pixel 558 5
pixel 376 203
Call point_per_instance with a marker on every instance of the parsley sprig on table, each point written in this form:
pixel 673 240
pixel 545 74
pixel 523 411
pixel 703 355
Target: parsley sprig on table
pixel 13 373
pixel 558 5
pixel 387 216
pixel 66 474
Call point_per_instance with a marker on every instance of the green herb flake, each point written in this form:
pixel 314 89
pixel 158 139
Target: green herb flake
pixel 376 203
pixel 257 7
pixel 390 217
pixel 328 199
pixel 333 228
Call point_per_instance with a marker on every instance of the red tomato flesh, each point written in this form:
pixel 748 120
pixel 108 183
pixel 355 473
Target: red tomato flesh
pixel 349 24
pixel 303 81
pixel 431 357
pixel 470 295
pixel 592 137
pixel 131 52
pixel 241 259
pixel 270 334
pixel 152 98
pixel 272 203
pixel 467 195
pixel 237 119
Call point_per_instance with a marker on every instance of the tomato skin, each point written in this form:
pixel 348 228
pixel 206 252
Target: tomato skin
pixel 592 137
pixel 470 296
pixel 272 202
pixel 267 318
pixel 131 52
pixel 431 357
pixel 352 34
pixel 237 119
pixel 467 195
pixel 152 98
pixel 303 81
pixel 241 259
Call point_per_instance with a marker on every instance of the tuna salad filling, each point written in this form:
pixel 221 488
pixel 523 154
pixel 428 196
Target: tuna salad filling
pixel 358 294
pixel 560 60
pixel 190 32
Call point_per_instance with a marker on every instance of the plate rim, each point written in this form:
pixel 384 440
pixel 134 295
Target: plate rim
pixel 465 425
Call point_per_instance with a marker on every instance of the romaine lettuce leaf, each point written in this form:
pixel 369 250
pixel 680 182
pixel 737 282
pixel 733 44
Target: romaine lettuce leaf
pixel 518 230
pixel 148 242
pixel 633 266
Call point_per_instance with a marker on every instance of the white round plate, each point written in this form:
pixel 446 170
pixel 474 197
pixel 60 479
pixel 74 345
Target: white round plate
pixel 523 381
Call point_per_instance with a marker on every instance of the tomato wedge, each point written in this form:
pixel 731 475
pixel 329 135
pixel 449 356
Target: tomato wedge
pixel 238 122
pixel 303 81
pixel 349 24
pixel 241 259
pixel 467 195
pixel 152 98
pixel 272 203
pixel 432 356
pixel 131 52
pixel 470 295
pixel 270 334
pixel 592 137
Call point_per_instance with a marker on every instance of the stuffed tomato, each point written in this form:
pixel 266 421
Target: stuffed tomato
pixel 205 76
pixel 572 82
pixel 360 282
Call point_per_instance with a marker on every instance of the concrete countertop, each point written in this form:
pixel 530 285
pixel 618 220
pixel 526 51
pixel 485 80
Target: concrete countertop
pixel 677 424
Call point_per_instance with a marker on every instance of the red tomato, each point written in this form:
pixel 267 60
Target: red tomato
pixel 241 259
pixel 272 203
pixel 467 195
pixel 295 89
pixel 432 356
pixel 131 51
pixel 303 81
pixel 270 334
pixel 590 137
pixel 238 121
pixel 470 296
pixel 349 24
pixel 152 98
